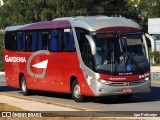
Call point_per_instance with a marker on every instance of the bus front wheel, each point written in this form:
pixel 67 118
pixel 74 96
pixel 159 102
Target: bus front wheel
pixel 76 93
pixel 25 90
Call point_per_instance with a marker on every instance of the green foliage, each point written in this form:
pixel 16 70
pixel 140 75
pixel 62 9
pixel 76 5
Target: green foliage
pixel 149 8
pixel 155 55
pixel 15 12
pixel 1 53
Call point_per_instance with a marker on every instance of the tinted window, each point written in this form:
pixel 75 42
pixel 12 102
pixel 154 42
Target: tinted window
pixel 10 41
pixel 85 49
pixel 53 40
pixel 62 40
pixel 43 40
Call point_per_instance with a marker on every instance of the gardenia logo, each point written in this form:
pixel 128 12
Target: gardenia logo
pixel 42 64
pixel 15 59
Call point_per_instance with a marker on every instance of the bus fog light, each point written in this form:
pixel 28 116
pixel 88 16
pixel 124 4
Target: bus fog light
pixel 103 81
pixel 147 78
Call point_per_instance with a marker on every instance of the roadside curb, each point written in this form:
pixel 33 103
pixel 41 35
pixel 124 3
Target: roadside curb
pixel 35 105
pixel 50 102
pixel 2 73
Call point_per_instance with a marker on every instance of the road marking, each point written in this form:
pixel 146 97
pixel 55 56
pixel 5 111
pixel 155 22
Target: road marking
pixel 51 102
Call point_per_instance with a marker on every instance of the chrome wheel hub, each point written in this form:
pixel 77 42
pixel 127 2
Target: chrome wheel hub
pixel 23 86
pixel 77 93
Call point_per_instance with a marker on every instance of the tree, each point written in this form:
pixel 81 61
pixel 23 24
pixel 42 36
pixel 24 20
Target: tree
pixel 25 11
pixel 1 52
pixel 155 55
pixel 148 9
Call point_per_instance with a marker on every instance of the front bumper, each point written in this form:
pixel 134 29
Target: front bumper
pixel 117 88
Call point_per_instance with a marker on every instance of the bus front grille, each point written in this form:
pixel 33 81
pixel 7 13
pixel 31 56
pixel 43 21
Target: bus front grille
pixel 131 83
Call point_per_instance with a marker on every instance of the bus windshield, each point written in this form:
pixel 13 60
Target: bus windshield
pixel 120 54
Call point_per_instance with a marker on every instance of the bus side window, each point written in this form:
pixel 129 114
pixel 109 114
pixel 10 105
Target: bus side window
pixel 29 41
pixel 53 41
pixel 68 40
pixel 60 40
pixel 24 41
pixel 78 35
pixel 65 41
pixel 39 42
pixel 9 40
pixel 34 41
pixel 45 40
pixel 71 42
pixel 84 46
pixel 19 41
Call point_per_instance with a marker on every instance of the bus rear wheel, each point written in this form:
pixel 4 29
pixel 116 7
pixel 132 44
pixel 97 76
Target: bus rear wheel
pixel 76 93
pixel 25 90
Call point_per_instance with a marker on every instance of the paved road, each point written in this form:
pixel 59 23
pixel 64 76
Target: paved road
pixel 139 102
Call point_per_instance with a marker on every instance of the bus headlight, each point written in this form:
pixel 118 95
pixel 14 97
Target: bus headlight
pixel 147 78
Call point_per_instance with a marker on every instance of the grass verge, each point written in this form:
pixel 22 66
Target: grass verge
pixel 6 107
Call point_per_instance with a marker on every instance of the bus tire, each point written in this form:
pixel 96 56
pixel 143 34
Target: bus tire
pixel 75 91
pixel 125 97
pixel 25 90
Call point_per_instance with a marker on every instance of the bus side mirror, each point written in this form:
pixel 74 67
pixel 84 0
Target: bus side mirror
pixel 153 46
pixel 153 43
pixel 92 44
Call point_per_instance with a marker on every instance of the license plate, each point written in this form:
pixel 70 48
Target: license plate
pixel 127 90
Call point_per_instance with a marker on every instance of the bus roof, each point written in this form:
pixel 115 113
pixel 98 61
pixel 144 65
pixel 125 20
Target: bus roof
pixel 14 28
pixel 93 23
pixel 98 23
pixel 40 25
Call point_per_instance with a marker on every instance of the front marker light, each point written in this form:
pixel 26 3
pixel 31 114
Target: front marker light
pixel 103 81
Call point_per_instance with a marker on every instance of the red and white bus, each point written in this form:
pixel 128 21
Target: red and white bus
pixel 84 56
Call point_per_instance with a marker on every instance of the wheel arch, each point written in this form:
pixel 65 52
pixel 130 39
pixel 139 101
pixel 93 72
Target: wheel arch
pixel 20 76
pixel 71 81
